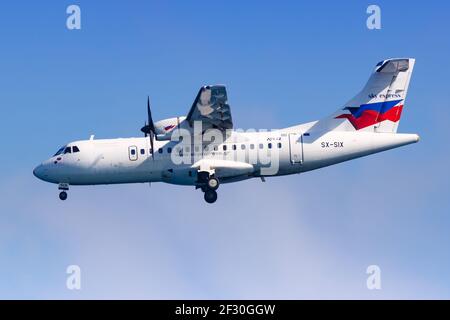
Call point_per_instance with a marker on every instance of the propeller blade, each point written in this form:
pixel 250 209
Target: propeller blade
pixel 151 127
pixel 151 144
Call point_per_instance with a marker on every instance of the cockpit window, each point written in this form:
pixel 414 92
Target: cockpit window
pixel 68 150
pixel 60 151
pixel 75 149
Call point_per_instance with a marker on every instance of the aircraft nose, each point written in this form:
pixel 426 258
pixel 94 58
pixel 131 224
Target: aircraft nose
pixel 39 171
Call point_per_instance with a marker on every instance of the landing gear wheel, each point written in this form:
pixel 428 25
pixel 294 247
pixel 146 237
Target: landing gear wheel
pixel 210 196
pixel 63 195
pixel 213 183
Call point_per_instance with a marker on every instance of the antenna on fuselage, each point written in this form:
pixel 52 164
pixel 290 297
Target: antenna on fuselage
pixel 149 129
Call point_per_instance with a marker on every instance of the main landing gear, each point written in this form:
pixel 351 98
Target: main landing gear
pixel 210 196
pixel 209 184
pixel 64 187
pixel 213 183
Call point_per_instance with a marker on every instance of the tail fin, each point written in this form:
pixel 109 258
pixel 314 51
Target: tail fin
pixel 378 107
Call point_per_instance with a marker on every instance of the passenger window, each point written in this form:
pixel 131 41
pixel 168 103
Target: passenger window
pixel 75 149
pixel 234 147
pixel 142 151
pixel 269 145
pixel 187 149
pixel 243 146
pixel 224 147
pixel 279 145
pixel 160 150
pixel 261 146
pixel 68 150
pixel 133 152
pixel 169 150
pixel 252 146
pixel 197 149
pixel 215 148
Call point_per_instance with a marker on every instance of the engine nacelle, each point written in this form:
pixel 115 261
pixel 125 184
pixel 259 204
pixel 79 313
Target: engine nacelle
pixel 164 128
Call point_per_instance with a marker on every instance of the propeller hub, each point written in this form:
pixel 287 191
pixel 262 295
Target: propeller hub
pixel 146 129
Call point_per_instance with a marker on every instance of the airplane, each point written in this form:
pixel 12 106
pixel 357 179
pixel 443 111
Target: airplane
pixel 203 149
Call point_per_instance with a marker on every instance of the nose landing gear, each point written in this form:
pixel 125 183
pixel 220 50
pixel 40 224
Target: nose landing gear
pixel 64 187
pixel 63 195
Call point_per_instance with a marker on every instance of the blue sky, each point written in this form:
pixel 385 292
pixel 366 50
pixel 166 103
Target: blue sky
pixel 283 63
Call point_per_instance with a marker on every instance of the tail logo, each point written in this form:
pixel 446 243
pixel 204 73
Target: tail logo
pixel 369 114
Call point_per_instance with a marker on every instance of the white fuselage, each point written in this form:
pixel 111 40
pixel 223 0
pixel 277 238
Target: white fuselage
pixel 241 156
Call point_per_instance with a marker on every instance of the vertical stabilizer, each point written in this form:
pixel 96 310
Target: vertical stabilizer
pixel 379 105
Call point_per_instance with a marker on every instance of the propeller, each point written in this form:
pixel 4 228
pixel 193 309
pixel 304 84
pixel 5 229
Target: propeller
pixel 149 129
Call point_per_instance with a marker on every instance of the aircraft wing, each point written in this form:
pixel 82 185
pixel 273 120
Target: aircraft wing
pixel 211 108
